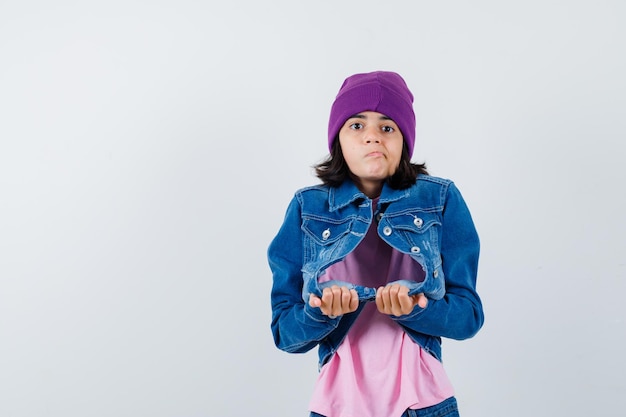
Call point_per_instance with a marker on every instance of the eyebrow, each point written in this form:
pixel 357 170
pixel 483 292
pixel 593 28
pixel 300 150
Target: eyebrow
pixel 361 116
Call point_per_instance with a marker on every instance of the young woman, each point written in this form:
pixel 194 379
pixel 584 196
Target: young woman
pixel 376 264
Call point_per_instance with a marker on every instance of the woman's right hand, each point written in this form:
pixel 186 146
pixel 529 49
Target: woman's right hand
pixel 336 301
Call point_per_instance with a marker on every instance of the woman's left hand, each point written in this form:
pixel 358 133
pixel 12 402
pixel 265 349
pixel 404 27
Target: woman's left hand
pixel 394 299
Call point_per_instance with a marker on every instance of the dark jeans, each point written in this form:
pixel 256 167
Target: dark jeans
pixel 446 408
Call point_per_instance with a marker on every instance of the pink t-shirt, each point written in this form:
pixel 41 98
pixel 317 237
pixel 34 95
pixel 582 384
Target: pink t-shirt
pixel 378 370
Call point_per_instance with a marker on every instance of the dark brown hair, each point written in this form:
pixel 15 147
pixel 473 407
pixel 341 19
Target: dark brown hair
pixel 334 169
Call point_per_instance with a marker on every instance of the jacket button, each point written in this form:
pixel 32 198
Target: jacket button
pixel 436 273
pixel 379 216
pixel 387 230
pixel 326 234
pixel 418 222
pixel 415 249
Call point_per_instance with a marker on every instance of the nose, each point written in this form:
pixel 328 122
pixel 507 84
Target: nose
pixel 371 135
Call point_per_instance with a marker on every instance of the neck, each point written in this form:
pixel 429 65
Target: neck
pixel 371 189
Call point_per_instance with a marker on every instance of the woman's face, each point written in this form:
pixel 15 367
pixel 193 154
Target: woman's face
pixel 371 144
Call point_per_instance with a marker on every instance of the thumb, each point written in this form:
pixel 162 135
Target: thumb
pixel 422 301
pixel 314 300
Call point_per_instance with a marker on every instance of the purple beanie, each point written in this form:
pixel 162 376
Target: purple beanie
pixel 380 91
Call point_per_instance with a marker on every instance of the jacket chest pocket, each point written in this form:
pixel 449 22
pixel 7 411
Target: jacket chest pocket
pixel 326 232
pixel 325 241
pixel 416 233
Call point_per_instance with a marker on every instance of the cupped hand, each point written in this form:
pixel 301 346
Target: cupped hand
pixel 336 301
pixel 394 299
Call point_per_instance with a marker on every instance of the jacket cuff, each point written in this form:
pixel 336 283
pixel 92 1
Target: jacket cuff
pixel 315 313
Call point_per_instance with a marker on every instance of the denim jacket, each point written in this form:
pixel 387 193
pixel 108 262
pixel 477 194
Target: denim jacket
pixel 428 221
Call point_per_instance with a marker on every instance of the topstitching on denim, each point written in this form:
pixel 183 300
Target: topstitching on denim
pixel 427 221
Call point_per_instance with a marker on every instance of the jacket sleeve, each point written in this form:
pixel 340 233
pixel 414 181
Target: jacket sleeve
pixel 296 326
pixel 459 314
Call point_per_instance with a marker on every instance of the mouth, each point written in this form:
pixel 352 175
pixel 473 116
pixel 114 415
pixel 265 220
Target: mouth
pixel 374 154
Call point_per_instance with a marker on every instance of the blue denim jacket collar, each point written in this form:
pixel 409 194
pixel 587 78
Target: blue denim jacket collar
pixel 348 192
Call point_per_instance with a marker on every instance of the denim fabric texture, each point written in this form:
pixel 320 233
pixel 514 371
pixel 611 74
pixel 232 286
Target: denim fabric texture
pixel 428 221
pixel 446 408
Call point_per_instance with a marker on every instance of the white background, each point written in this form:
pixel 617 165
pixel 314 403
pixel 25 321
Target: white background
pixel 148 151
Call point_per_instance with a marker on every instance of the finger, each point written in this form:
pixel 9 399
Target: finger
pixel 386 300
pixel 354 300
pixel 314 300
pixel 394 298
pixel 346 299
pixel 327 297
pixel 327 301
pixel 422 301
pixel 336 309
pixel 406 303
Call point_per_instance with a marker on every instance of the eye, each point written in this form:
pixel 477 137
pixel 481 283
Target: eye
pixel 356 126
pixel 388 129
